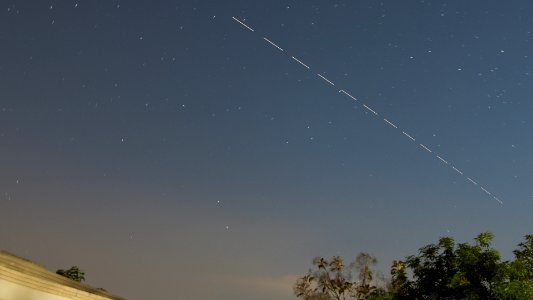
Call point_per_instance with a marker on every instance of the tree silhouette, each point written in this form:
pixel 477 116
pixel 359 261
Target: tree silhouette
pixel 73 273
pixel 399 280
pixel 362 264
pixel 444 270
pixel 332 280
pixel 518 280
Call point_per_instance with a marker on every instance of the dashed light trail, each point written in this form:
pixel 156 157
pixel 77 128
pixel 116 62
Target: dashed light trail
pixel 375 113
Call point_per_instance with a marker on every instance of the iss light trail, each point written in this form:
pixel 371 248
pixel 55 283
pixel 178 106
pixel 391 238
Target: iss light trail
pixel 376 114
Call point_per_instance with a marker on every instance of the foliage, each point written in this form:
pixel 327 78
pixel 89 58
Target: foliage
pixel 73 273
pixel 449 271
pixel 468 271
pixel 331 280
pixel 399 281
pixel 445 270
pixel 524 258
pixel 518 283
pixel 362 265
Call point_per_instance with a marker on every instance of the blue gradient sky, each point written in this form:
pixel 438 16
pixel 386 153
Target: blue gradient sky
pixel 164 147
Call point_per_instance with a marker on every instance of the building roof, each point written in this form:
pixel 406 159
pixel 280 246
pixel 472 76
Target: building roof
pixel 13 268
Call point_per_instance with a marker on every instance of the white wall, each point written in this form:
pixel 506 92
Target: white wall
pixel 13 291
pixel 21 279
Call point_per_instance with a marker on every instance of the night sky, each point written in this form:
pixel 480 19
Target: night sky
pixel 173 153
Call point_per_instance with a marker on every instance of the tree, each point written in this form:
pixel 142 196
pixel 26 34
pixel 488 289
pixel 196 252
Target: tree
pixel 433 270
pixel 465 271
pixel 449 271
pixel 362 264
pixel 524 257
pixel 444 270
pixel 73 273
pixel 479 268
pixel 517 281
pixel 331 280
pixel 399 281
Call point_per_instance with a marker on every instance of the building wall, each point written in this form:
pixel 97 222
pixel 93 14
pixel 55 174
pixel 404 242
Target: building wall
pixel 23 280
pixel 13 291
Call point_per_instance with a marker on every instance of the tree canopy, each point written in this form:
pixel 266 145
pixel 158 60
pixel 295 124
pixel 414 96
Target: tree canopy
pixel 73 273
pixel 332 280
pixel 445 270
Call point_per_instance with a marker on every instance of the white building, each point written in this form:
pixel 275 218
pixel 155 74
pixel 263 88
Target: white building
pixel 20 279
